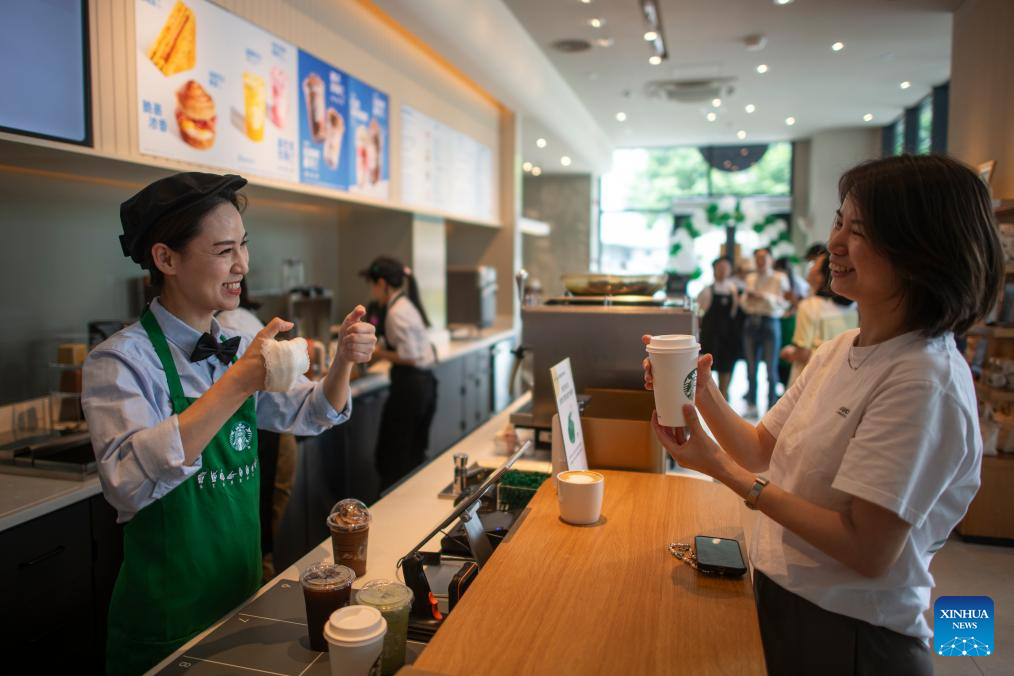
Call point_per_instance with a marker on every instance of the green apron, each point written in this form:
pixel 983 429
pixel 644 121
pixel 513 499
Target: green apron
pixel 193 555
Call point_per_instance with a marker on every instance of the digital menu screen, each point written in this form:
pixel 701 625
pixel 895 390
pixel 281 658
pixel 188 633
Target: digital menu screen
pixel 44 70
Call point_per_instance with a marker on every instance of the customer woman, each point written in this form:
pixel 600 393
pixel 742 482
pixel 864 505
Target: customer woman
pixel 408 412
pixel 819 318
pixel 863 468
pixel 172 411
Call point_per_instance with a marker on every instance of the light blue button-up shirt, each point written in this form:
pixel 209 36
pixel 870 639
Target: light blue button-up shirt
pixel 134 432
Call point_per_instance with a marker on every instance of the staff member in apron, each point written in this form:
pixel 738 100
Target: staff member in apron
pixel 172 404
pixel 408 412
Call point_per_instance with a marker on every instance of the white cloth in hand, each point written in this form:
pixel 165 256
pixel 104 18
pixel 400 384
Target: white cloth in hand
pixel 284 361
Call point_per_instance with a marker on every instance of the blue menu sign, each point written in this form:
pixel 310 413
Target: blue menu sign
pixel 368 151
pixel 325 134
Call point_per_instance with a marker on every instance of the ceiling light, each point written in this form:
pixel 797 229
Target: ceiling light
pixel 526 167
pixel 712 116
pixel 837 46
pixel 868 117
pixel 780 3
pixel 790 121
pixel 763 68
pixel 596 22
pixel 906 84
pixel 586 2
pixel 536 171
pixel 654 59
pixel 750 108
pixel 540 143
pixel 741 134
pixel 565 161
pixel 716 102
pixel 651 36
pixel 621 116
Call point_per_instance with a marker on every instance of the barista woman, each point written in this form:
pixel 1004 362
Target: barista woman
pixel 408 413
pixel 865 465
pixel 172 403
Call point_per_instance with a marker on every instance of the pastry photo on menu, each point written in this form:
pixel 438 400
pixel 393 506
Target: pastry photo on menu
pixel 195 115
pixel 175 49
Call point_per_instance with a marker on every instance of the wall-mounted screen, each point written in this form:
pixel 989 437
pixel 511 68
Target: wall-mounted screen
pixel 44 70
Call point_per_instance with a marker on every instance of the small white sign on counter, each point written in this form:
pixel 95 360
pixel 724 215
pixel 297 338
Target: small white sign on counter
pixel 573 456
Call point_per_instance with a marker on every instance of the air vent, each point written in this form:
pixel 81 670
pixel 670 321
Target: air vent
pixel 571 46
pixel 689 91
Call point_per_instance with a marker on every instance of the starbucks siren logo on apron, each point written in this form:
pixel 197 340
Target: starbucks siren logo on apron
pixel 690 385
pixel 240 436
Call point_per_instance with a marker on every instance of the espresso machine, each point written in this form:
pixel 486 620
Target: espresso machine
pixel 601 334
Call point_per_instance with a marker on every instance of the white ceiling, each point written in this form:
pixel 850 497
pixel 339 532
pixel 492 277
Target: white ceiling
pixel 886 42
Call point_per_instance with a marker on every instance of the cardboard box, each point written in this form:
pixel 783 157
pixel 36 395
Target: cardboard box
pixel 617 431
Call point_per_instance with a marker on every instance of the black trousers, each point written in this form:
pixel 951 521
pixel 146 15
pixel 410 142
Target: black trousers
pixel 405 423
pixel 267 456
pixel 802 638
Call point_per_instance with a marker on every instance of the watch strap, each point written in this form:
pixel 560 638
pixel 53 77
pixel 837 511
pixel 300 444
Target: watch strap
pixel 759 483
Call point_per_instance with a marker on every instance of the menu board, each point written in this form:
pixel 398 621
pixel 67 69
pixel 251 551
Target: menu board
pixel 324 129
pixel 215 89
pixel 445 169
pixel 369 125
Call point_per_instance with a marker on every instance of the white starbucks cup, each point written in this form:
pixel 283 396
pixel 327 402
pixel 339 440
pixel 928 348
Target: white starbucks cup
pixel 674 369
pixel 580 495
pixel 355 638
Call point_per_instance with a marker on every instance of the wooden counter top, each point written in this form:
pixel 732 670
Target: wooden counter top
pixel 607 598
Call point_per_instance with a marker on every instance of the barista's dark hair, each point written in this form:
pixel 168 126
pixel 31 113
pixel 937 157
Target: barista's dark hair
pixel 932 218
pixel 177 230
pixel 396 274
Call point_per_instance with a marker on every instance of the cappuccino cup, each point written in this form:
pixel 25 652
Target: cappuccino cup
pixel 580 496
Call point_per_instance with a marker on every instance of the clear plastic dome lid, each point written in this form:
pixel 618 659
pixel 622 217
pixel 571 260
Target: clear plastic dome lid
pixel 327 576
pixel 350 514
pixel 384 594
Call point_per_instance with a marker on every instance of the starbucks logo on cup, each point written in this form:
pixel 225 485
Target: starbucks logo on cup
pixel 240 436
pixel 690 385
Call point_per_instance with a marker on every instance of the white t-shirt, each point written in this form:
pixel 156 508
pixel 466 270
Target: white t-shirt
pixel 772 288
pixel 900 431
pixel 404 328
pixel 818 320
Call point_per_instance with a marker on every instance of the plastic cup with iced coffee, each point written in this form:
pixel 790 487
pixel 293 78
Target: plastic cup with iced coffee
pixel 349 523
pixel 326 588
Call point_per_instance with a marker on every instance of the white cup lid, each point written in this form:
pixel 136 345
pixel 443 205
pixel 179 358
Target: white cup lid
pixel 353 625
pixel 673 341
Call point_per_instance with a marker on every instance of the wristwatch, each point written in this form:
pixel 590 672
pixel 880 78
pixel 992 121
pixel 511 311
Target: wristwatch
pixel 759 483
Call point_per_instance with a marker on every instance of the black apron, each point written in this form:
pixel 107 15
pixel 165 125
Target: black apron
pixel 721 333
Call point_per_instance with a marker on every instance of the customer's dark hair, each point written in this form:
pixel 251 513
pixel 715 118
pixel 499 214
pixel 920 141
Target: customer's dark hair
pixel 825 288
pixel 176 230
pixel 932 218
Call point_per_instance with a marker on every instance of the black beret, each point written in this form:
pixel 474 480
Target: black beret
pixel 166 197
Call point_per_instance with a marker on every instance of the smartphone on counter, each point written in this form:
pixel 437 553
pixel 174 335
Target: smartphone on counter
pixel 719 556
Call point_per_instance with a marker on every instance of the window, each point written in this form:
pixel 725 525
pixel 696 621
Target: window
pixel 899 136
pixel 924 139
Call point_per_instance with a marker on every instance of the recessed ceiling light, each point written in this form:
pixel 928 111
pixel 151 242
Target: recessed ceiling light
pixel 750 108
pixel 777 2
pixel 716 103
pixel 762 68
pixel 586 2
pixel 790 121
pixel 741 134
pixel 651 36
pixel 868 117
pixel 565 161
pixel 711 116
pixel 604 42
pixel 906 84
pixel 621 116
pixel 540 143
pixel 654 59
pixel 536 171
pixel 837 46
pixel 526 167
pixel 596 22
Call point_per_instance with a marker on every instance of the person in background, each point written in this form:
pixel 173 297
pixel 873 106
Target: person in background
pixel 864 467
pixel 819 318
pixel 411 404
pixel 721 334
pixel 764 302
pixel 813 251
pixel 172 402
pixel 798 289
pixel 276 452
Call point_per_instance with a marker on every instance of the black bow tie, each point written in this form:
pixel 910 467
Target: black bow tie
pixel 208 346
